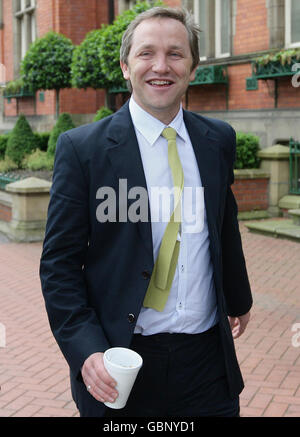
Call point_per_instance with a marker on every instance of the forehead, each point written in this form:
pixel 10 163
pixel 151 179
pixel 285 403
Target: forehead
pixel 161 31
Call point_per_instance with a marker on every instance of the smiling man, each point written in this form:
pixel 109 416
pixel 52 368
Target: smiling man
pixel 179 298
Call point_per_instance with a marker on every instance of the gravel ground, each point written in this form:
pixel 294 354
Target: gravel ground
pixel 41 174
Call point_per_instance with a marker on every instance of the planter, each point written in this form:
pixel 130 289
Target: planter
pixel 251 191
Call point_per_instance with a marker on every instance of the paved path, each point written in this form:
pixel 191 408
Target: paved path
pixel 34 376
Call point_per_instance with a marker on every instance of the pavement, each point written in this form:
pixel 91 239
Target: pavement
pixel 34 376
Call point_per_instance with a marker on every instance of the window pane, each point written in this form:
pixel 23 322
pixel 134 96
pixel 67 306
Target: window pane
pixel 225 26
pixel 295 22
pixel 203 20
pixel 18 5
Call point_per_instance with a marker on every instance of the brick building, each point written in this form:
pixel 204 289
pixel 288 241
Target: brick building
pixel 234 33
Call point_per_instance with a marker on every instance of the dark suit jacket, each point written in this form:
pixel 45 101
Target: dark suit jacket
pixel 94 275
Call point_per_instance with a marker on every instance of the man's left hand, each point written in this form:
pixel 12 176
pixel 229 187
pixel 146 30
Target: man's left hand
pixel 238 324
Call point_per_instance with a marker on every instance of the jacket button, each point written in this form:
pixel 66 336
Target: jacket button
pixel 146 275
pixel 131 318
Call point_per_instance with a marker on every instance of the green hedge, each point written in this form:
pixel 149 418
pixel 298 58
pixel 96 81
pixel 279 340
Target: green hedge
pixel 63 124
pixel 102 113
pixel 21 141
pixel 247 146
pixel 3 144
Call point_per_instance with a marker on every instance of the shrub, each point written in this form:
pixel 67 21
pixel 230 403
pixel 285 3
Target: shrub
pixel 42 139
pixel 63 124
pixel 38 160
pixel 7 165
pixel 102 113
pixel 247 146
pixel 3 145
pixel 21 141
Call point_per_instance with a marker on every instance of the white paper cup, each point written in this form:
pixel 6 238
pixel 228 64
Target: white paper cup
pixel 123 365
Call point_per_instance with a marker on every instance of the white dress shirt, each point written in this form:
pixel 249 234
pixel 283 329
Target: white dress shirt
pixel 191 305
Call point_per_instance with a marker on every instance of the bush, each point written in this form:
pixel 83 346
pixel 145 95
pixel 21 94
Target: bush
pixel 102 113
pixel 3 145
pixel 42 139
pixel 247 146
pixel 38 160
pixel 21 141
pixel 63 124
pixel 7 165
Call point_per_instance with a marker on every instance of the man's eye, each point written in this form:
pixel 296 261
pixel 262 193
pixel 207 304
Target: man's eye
pixel 176 55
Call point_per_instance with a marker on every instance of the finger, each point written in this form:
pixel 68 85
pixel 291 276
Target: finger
pixel 102 374
pixel 101 388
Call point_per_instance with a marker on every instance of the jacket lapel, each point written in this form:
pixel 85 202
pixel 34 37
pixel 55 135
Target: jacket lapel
pixel 206 149
pixel 125 158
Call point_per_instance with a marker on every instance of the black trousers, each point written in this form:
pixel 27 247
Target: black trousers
pixel 182 375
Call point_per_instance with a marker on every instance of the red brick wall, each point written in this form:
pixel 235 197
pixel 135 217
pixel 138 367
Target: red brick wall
pixel 251 194
pixel 5 213
pixel 74 19
pixel 251 33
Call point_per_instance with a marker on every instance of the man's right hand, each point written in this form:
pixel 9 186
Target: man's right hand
pixel 96 377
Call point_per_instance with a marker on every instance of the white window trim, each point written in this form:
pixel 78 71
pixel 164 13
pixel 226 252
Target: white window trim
pixel 218 53
pixel 22 15
pixel 288 30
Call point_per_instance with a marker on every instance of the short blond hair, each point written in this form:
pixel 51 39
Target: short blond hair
pixel 179 14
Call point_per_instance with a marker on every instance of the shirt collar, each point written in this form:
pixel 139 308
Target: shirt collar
pixel 150 127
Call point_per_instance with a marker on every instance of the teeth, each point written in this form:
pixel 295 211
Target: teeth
pixel 159 82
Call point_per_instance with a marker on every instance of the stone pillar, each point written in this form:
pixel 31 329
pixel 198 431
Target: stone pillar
pixel 275 160
pixel 30 199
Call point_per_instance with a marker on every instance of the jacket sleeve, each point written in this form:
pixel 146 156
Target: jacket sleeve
pixel 236 285
pixel 73 322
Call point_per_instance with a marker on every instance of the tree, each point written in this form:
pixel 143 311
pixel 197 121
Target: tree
pixel 21 141
pixel 86 68
pixel 47 64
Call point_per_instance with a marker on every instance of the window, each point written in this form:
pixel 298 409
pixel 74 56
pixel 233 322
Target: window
pixel 222 20
pixel 292 23
pixel 214 19
pixel 25 26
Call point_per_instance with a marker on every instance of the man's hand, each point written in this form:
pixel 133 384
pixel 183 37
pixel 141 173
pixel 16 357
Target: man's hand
pixel 96 377
pixel 238 324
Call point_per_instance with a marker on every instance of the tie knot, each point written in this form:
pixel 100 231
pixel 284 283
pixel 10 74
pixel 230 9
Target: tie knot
pixel 169 133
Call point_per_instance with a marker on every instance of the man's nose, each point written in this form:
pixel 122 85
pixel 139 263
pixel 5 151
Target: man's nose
pixel 160 64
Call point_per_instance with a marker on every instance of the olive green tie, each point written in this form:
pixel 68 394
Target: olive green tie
pixel 165 265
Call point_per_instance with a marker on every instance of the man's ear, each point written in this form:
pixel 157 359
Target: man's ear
pixel 193 73
pixel 125 70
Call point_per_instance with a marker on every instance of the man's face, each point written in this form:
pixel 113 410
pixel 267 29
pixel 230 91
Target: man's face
pixel 159 66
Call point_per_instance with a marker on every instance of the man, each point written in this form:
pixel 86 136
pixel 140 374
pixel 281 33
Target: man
pixel 99 277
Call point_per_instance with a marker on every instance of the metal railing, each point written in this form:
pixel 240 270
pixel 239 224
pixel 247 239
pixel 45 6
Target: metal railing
pixel 294 166
pixel 7 179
